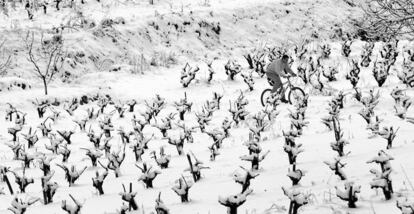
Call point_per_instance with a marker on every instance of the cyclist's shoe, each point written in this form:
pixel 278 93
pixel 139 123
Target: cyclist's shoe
pixel 283 100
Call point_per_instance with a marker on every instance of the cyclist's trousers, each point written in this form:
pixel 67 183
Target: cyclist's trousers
pixel 277 83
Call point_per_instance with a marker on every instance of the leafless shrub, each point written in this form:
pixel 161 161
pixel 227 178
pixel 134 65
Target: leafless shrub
pixel 387 19
pixel 163 59
pixel 46 56
pixel 139 64
pixel 5 57
pixel 101 64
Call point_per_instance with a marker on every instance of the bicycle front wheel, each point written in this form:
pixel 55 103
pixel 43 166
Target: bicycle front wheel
pixel 295 95
pixel 265 94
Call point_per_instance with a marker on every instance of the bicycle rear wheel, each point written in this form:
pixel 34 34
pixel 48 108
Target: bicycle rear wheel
pixel 265 94
pixel 411 83
pixel 295 95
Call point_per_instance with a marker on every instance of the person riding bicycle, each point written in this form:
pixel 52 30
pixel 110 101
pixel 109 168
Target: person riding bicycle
pixel 276 69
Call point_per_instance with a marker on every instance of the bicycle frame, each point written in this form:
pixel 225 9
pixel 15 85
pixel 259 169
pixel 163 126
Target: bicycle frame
pixel 287 85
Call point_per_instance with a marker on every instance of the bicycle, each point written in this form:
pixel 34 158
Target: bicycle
pixel 294 93
pixel 410 81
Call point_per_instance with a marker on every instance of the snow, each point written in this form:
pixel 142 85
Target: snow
pixel 218 181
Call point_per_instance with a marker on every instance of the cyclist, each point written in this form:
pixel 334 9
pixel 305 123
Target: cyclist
pixel 276 69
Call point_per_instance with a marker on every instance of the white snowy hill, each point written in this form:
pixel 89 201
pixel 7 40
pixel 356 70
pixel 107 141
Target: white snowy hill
pixel 176 32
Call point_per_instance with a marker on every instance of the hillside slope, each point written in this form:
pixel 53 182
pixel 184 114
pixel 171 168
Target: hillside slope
pixel 170 31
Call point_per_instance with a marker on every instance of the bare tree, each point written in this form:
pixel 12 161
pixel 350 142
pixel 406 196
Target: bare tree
pixel 5 57
pixel 47 56
pixel 388 18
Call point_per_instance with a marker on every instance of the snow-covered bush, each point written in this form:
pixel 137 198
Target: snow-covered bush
pixel 389 134
pixel 255 159
pixel 381 72
pixel 160 207
pixel 234 201
pixel 163 159
pixel 334 110
pixel 256 61
pixel 216 101
pixel 373 124
pixel 326 50
pixel 19 206
pixel 330 73
pixel 339 143
pixel 22 181
pixel 406 206
pixel 382 178
pixel 218 136
pixel 369 102
pixel 346 48
pixel 353 75
pixel 139 145
pixel 178 143
pixel 165 124
pixel 238 109
pixel 296 198
pixel 248 79
pixel 182 187
pixel 303 72
pixel 211 71
pixel 295 175
pixel 245 178
pixel 203 119
pixel 98 181
pixel 188 74
pixel 297 120
pixel 232 68
pixel 115 160
pixel 129 197
pixel 402 102
pixel 389 52
pixel 31 138
pixel 183 106
pixel 406 74
pixel 195 168
pixel 148 175
pixel 349 194
pixel 336 166
pixel 258 126
pixel 292 148
pixel 72 174
pixel 48 187
pixel 366 54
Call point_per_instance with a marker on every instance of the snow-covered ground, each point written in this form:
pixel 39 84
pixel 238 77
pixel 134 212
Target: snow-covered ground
pixel 267 196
